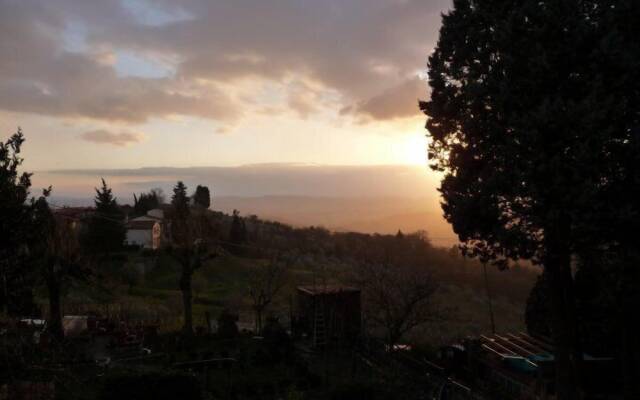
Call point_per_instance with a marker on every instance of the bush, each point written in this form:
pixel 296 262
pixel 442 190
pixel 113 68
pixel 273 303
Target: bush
pixel 159 385
pixel 227 325
pixel 352 391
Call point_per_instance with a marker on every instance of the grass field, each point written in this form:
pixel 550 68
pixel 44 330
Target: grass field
pixel 146 288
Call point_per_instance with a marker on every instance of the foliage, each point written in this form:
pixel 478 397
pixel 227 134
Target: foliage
pixel 533 120
pixel 180 201
pixel 507 119
pixel 145 202
pixel 189 248
pixel 150 385
pixel 237 232
pixel 202 197
pixel 16 234
pixel 105 229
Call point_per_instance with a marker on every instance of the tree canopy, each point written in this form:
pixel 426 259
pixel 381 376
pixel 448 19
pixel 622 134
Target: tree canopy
pixel 237 232
pixel 105 229
pixel 180 200
pixel 202 197
pixel 145 202
pixel 16 235
pixel 533 118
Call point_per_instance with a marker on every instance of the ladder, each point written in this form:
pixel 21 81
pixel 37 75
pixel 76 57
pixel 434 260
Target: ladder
pixel 319 332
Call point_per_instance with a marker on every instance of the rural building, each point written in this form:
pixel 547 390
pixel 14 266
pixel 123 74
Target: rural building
pixel 79 215
pixel 328 314
pixel 149 231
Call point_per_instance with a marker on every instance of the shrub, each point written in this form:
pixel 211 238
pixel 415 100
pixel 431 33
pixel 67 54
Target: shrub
pixel 158 385
pixel 227 325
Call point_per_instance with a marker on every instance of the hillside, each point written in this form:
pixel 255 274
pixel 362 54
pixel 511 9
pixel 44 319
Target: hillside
pixel 385 215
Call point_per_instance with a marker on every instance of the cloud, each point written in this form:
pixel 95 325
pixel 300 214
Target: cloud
pixel 216 53
pixel 37 75
pixel 397 102
pixel 114 138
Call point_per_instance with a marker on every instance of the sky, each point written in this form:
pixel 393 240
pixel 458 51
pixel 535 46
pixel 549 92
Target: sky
pixel 140 83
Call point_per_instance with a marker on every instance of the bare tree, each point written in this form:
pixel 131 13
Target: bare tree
pixel 59 257
pixel 397 299
pixel 191 251
pixel 265 284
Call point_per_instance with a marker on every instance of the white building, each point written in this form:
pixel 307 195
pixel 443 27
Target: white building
pixel 146 231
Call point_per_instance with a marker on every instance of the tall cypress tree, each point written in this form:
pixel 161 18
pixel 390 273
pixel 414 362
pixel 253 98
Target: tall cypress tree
pixel 105 231
pixel 180 201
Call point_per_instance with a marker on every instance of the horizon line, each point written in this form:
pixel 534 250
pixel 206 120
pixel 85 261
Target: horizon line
pixel 238 166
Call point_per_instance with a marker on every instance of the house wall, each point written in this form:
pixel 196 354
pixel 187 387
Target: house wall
pixel 156 236
pixel 140 237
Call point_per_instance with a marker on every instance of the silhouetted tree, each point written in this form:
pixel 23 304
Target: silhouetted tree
pixel 180 201
pixel 237 232
pixel 596 306
pixel 596 299
pixel 105 229
pixel 227 325
pixel 265 283
pixel 533 118
pixel 189 248
pixel 146 202
pixel 16 233
pixel 202 197
pixel 538 312
pixel 58 257
pixel 397 298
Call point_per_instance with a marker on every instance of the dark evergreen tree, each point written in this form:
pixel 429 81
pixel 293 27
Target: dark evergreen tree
pixel 534 122
pixel 237 232
pixel 146 202
pixel 16 233
pixel 105 229
pixel 180 201
pixel 202 197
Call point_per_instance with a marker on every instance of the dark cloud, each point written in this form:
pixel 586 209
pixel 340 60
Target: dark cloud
pixel 397 102
pixel 355 48
pixel 114 138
